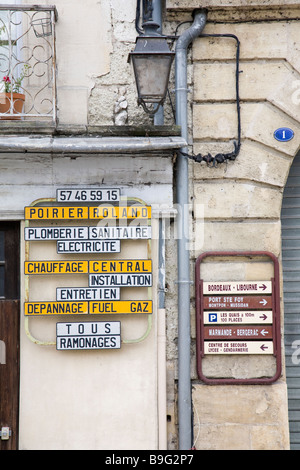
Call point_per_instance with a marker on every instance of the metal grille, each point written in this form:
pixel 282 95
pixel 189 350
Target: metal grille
pixel 290 217
pixel 27 63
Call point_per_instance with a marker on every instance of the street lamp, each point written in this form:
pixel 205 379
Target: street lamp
pixel 152 60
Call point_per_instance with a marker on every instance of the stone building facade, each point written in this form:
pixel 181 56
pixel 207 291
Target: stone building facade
pixel 102 139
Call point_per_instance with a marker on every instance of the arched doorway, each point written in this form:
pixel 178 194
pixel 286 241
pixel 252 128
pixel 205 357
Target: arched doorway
pixel 290 218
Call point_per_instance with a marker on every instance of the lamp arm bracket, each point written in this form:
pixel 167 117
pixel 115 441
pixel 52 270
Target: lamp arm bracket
pixel 149 111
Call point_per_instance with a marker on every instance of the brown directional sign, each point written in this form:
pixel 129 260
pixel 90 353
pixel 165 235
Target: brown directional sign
pixel 238 332
pixel 238 347
pixel 237 301
pixel 237 287
pixel 234 316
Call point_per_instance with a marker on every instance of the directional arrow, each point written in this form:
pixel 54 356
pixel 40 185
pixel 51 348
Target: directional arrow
pixel 237 347
pixel 264 332
pixel 263 317
pixel 236 287
pixel 238 317
pixel 232 301
pixel 230 332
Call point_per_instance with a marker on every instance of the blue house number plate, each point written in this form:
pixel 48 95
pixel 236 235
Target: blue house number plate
pixel 283 134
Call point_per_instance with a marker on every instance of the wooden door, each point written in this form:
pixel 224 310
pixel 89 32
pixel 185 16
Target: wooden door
pixel 9 333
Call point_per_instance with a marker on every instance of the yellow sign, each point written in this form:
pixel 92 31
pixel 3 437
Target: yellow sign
pixel 121 307
pixel 132 212
pixel 56 308
pixel 56 267
pixel 121 266
pixel 92 212
pixel 92 267
pixel 82 308
pixel 56 213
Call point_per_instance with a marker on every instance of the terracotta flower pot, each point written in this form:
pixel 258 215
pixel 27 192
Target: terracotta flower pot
pixel 5 105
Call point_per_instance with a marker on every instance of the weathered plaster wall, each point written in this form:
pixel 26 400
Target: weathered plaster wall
pixel 113 98
pixel 83 48
pixel 85 399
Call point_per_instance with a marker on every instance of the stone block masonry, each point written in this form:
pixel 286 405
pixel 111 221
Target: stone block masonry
pixel 237 206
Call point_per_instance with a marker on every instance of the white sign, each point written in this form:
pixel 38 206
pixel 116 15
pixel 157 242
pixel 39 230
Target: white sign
pixel 88 195
pixel 120 280
pixel 238 347
pixel 87 293
pixel 79 246
pixel 133 232
pixel 251 316
pixel 87 233
pixel 88 335
pixel 238 287
pixel 56 233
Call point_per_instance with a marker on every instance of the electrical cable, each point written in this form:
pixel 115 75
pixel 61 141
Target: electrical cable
pixel 224 157
pixel 219 157
pixel 137 17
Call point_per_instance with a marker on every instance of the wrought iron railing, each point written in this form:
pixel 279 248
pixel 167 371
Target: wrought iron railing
pixel 27 63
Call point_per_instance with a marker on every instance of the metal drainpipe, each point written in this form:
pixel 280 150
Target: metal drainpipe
pixel 161 322
pixel 182 182
pixel 157 18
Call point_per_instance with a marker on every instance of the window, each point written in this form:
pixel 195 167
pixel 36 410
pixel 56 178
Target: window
pixel 27 62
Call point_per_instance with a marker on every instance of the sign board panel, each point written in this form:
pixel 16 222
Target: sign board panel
pixel 90 307
pixel 88 195
pixel 106 276
pixel 237 332
pixel 121 307
pixel 239 287
pixel 226 317
pixel 88 335
pixel 56 213
pixel 120 266
pixel 283 134
pixel 121 280
pixel 238 317
pixel 142 266
pixel 87 233
pixel 87 212
pixel 128 232
pixel 56 267
pixel 56 308
pixel 87 246
pixel 131 212
pixel 241 301
pixel 87 293
pixel 55 233
pixel 238 347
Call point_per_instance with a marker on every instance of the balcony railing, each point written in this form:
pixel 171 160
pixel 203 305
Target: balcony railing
pixel 27 63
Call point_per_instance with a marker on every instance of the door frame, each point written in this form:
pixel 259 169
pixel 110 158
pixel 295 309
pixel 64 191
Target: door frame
pixel 10 336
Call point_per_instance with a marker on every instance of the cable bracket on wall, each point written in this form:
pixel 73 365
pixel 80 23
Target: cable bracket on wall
pixel 224 157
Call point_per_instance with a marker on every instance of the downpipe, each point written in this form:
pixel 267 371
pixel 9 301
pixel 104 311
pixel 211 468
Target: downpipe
pixel 161 320
pixel 182 183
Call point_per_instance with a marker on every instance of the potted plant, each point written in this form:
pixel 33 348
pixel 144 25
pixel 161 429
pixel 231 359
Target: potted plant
pixel 11 100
